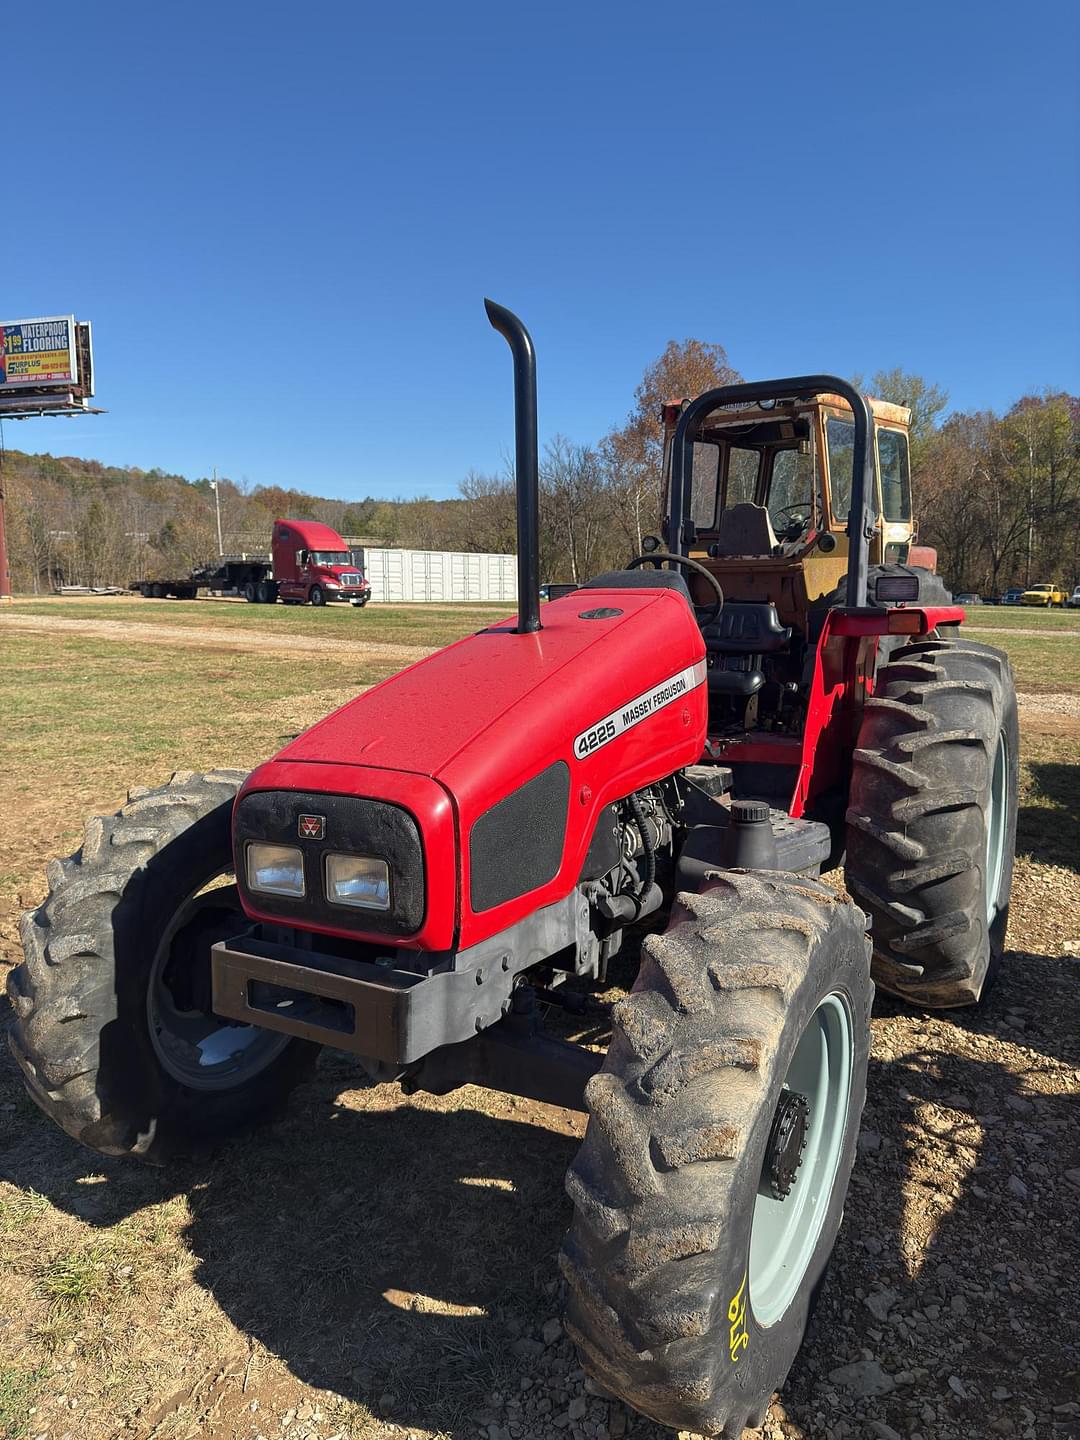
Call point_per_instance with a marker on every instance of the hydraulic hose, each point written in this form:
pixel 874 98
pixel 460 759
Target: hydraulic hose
pixel 647 845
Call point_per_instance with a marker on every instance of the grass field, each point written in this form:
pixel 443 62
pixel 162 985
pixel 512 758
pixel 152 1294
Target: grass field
pixel 366 1267
pixel 1019 617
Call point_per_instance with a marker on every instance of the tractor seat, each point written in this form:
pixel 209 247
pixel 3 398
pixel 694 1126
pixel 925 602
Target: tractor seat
pixel 736 640
pixel 747 627
pixel 744 529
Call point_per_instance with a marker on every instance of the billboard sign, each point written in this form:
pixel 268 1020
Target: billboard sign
pixel 39 353
pixel 46 366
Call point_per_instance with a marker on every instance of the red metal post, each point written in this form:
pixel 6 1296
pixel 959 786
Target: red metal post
pixel 5 577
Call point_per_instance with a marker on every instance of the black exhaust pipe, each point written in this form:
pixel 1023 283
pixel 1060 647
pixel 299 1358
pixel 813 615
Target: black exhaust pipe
pixel 526 464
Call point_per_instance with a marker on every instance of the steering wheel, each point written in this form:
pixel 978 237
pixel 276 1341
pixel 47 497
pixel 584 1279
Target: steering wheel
pixel 803 515
pixel 712 612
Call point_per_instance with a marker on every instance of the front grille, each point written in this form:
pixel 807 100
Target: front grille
pixel 353 825
pixel 350 580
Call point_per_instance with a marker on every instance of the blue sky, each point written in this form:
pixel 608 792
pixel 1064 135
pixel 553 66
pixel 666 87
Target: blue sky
pixel 282 219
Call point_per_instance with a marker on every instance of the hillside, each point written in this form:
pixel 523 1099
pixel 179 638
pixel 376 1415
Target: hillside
pixel 77 521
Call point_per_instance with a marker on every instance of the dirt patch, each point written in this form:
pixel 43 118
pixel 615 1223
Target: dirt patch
pixel 216 638
pixel 1046 633
pixel 1038 709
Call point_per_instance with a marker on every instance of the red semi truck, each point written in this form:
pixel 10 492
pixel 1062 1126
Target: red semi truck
pixel 309 564
pixel 312 565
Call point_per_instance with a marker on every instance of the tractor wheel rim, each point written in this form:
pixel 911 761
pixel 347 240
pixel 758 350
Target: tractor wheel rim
pixel 785 1232
pixel 997 818
pixel 195 1047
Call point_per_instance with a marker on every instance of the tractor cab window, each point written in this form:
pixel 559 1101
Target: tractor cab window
pixel 742 475
pixel 767 461
pixel 329 557
pixel 840 435
pixel 705 484
pixel 790 499
pixel 895 474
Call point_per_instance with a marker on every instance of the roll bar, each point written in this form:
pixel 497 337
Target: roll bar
pixel 862 516
pixel 526 464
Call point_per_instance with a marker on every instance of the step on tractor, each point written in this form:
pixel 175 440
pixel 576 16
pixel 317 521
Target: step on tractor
pixel 677 751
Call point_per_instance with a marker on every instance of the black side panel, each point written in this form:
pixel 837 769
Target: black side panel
pixel 517 845
pixel 604 849
pixel 353 825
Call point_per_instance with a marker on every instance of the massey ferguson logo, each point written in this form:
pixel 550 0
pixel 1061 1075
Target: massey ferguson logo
pixel 312 827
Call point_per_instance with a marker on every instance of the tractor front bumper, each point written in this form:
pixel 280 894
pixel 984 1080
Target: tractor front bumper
pixel 409 1025
pixel 395 1016
pixel 393 1007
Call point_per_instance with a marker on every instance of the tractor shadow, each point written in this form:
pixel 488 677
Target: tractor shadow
pixel 394 1254
pixel 402 1255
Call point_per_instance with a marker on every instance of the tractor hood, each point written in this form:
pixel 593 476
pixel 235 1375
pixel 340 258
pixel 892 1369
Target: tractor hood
pixel 524 738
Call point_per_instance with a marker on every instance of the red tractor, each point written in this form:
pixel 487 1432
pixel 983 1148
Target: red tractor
pixel 692 740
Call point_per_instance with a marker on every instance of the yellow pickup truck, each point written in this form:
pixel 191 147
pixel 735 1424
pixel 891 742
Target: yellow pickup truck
pixel 1047 595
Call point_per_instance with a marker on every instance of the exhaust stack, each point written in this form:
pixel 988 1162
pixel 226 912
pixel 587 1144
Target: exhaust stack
pixel 526 464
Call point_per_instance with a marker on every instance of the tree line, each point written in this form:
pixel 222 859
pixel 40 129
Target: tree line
pixel 997 495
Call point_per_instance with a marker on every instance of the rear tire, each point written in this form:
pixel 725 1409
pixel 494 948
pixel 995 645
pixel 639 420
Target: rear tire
pixel 251 594
pixel 932 819
pixel 266 592
pixel 114 1032
pixel 689 1288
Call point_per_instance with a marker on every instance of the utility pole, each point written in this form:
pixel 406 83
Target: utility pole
pixel 217 507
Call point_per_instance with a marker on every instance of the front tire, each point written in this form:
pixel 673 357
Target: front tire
pixel 317 597
pixel 747 1031
pixel 114 1032
pixel 932 819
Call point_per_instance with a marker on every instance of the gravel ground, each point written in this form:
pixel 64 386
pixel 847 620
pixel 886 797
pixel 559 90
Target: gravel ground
pixel 1050 704
pixel 952 1308
pixel 950 1311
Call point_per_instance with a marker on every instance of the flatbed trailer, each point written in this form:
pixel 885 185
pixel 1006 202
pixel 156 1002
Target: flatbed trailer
pixel 309 564
pixel 232 576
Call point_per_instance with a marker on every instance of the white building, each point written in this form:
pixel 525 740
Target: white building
pixel 441 575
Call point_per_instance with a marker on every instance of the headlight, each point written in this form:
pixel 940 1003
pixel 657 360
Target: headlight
pixel 275 869
pixel 358 880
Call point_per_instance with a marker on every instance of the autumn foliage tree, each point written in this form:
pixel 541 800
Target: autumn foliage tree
pixel 633 454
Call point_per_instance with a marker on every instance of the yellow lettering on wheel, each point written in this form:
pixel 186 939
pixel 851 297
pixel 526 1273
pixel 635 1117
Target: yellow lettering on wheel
pixel 738 1335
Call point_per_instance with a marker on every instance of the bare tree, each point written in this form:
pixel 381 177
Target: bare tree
pixel 575 505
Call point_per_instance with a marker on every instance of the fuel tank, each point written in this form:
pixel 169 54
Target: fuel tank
pixel 480 772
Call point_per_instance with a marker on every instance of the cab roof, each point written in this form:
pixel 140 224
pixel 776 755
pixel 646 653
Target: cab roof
pixel 883 410
pixel 309 534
